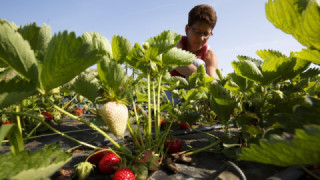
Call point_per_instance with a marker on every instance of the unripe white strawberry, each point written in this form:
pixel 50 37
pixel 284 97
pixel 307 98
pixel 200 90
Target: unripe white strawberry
pixel 115 115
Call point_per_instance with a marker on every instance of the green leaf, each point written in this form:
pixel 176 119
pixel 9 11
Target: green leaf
pixel 269 54
pixel 246 118
pixel 274 65
pixel 120 48
pixel 221 102
pixel 248 70
pixel 178 81
pixel 299 66
pixel 312 72
pixel 15 91
pixel 277 65
pixel 141 97
pixel 6 74
pixel 39 165
pixel 309 55
pixel 38 37
pixel 44 37
pixel 161 44
pixel 189 117
pixel 12 24
pixel 311 24
pixel 300 18
pixel 309 113
pixel 113 77
pixel 16 52
pixel 68 55
pixel 15 140
pixel 177 57
pixel 191 95
pixel 4 130
pixel 30 33
pixel 136 59
pixel 304 148
pixel 258 62
pixel 237 83
pixel 87 85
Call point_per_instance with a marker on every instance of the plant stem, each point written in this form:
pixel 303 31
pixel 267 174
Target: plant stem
pixel 309 172
pixel 148 135
pixel 133 136
pixel 48 126
pixel 205 133
pixel 70 150
pixel 138 123
pixel 155 114
pixel 202 149
pixel 32 131
pixel 158 109
pixel 44 135
pixel 68 103
pixel 19 120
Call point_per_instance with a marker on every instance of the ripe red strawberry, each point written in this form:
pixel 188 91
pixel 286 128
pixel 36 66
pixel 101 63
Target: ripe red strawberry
pixel 161 122
pixel 8 122
pixel 173 146
pixel 79 111
pixel 123 174
pixel 115 115
pixel 95 158
pixel 184 125
pixel 108 163
pixel 48 115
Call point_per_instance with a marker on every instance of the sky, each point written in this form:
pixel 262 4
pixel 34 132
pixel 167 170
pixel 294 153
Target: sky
pixel 242 27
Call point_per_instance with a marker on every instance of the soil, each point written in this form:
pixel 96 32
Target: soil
pixel 205 165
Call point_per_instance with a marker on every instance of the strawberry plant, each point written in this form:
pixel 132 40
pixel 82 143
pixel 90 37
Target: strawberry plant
pixel 275 97
pixel 43 64
pixel 287 101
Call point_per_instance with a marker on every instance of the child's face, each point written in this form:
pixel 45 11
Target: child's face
pixel 198 34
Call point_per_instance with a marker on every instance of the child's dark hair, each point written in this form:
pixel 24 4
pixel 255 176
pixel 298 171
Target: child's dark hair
pixel 204 13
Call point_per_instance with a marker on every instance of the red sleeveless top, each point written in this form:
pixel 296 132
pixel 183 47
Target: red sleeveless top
pixel 184 47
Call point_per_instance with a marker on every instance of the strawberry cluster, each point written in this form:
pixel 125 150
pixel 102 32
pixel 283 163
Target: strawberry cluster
pixel 108 163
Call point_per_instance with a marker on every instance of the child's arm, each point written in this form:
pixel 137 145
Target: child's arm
pixel 211 63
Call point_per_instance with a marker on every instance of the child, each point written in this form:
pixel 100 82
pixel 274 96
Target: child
pixel 201 21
